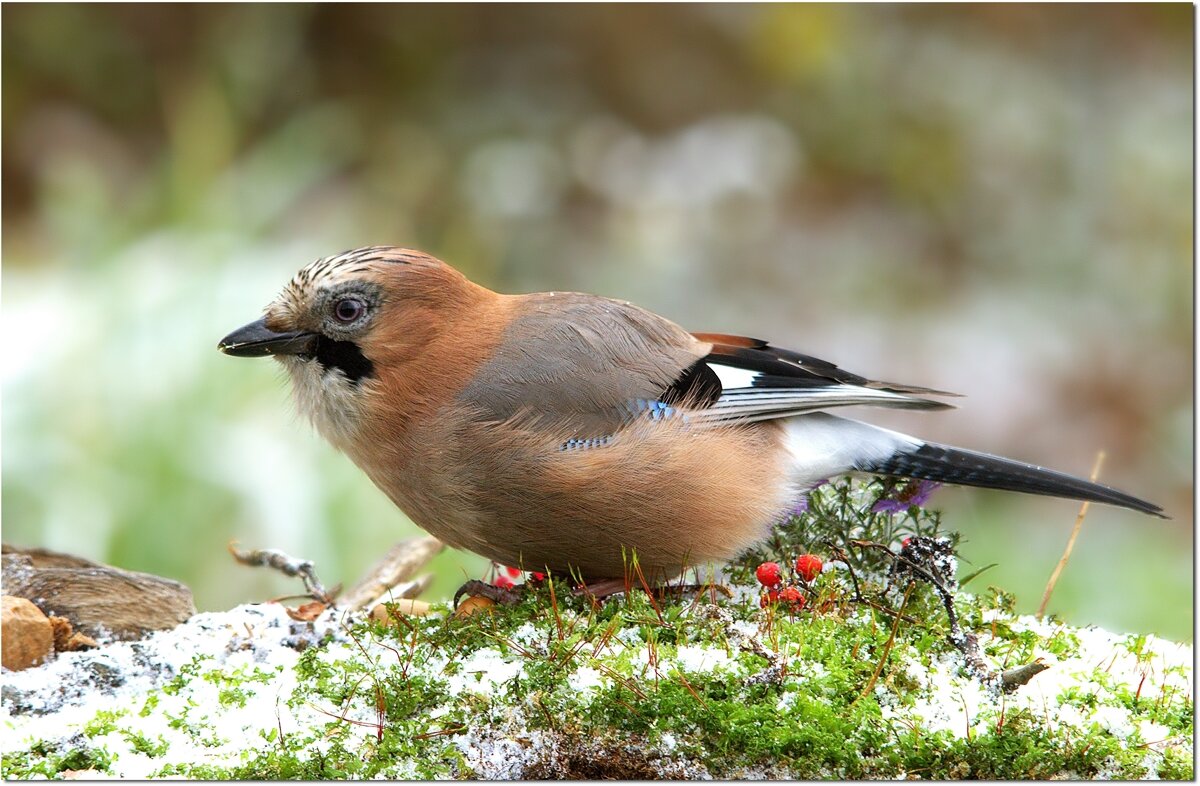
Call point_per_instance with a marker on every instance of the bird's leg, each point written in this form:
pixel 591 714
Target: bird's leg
pixel 601 588
pixel 932 560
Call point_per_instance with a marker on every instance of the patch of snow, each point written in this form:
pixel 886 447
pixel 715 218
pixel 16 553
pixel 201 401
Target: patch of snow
pixel 690 657
pixel 745 627
pixel 529 637
pixel 667 743
pixel 495 755
pixel 951 702
pixel 484 671
pixel 630 637
pixel 585 679
pixel 1114 720
pixel 787 700
pixel 1151 732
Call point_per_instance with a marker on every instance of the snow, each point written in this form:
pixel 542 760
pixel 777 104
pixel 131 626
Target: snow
pixel 585 679
pixel 701 659
pixel 745 628
pixel 951 702
pixel 486 672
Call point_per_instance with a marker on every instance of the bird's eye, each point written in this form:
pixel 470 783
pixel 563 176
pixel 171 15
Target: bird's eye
pixel 348 309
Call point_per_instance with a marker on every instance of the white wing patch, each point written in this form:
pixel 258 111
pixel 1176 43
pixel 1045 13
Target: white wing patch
pixel 733 378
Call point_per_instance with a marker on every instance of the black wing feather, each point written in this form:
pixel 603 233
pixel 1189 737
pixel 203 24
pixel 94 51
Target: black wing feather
pixel 784 368
pixel 785 383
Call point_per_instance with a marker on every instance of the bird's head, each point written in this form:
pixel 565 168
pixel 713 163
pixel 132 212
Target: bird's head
pixel 349 326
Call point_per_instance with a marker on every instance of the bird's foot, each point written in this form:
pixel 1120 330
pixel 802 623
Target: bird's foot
pixel 504 596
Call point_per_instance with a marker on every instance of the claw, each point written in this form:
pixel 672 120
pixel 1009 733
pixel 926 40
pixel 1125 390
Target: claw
pixel 501 595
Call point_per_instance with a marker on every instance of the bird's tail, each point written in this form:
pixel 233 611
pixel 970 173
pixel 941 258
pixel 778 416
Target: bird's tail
pixel 881 452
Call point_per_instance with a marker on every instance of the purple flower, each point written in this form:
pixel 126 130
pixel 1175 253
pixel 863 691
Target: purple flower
pixel 914 493
pixel 800 506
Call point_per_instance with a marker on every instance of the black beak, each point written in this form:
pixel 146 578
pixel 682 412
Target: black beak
pixel 256 339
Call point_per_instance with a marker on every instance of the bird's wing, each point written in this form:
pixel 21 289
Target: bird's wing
pixel 580 361
pixel 762 382
pixel 593 364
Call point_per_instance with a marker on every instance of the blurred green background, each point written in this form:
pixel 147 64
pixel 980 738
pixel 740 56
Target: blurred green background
pixel 991 199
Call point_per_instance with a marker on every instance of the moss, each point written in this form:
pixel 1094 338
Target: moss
pixel 819 716
pixel 51 761
pixel 1177 766
pixel 143 744
pixel 104 722
pixel 1020 749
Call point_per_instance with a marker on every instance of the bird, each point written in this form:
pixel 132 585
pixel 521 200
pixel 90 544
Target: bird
pixel 568 432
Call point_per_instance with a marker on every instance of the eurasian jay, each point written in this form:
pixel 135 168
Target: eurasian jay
pixel 566 431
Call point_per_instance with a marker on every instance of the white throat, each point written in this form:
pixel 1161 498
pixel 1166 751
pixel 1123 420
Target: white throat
pixel 333 403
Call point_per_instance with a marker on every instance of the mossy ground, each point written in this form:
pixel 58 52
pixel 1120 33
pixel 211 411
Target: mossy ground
pixel 637 687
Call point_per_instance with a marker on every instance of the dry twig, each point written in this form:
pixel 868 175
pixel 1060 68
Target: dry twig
pixel 1062 562
pixel 285 564
pixel 399 564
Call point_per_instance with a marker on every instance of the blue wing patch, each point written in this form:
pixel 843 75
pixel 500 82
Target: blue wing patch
pixel 655 410
pixel 590 442
pixel 651 409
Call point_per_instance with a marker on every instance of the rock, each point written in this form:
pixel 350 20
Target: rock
pixel 44 558
pixel 99 600
pixel 28 638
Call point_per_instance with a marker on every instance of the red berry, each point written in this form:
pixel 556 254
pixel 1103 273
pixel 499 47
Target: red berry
pixel 769 574
pixel 769 597
pixel 809 566
pixel 537 577
pixel 792 597
pixel 504 582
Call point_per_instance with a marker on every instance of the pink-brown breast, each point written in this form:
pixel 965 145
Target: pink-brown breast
pixel 674 495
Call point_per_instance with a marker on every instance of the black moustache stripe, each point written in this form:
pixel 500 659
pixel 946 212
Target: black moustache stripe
pixel 344 356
